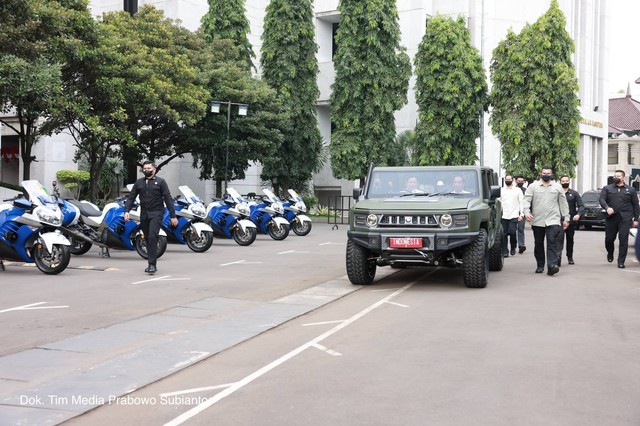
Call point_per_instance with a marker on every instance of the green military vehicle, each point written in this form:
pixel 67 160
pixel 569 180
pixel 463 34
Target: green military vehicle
pixel 426 216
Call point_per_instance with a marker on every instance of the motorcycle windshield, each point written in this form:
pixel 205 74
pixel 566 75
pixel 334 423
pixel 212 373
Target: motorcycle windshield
pixel 295 195
pixel 38 194
pixel 235 195
pixel 189 195
pixel 270 195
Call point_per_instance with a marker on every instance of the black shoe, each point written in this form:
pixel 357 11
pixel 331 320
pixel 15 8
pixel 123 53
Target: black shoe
pixel 151 269
pixel 539 269
pixel 609 258
pixel 513 252
pixel 553 270
pixel 505 255
pixel 522 249
pixel 621 265
pixel 570 260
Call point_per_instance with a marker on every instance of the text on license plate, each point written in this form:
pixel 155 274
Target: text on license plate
pixel 405 242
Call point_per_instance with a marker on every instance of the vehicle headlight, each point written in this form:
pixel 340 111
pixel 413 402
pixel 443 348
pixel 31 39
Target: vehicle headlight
pixel 301 206
pixel 48 216
pixel 243 209
pixel 372 220
pixel 278 208
pixel 197 210
pixel 446 220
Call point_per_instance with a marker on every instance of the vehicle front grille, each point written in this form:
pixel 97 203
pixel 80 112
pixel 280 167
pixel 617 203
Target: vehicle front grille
pixel 409 220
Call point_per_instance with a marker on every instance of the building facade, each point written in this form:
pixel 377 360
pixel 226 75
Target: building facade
pixel 488 21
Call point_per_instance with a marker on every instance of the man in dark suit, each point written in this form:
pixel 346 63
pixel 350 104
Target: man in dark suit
pixel 154 195
pixel 576 210
pixel 621 203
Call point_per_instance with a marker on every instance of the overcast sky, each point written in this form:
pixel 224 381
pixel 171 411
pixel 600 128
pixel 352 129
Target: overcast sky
pixel 624 45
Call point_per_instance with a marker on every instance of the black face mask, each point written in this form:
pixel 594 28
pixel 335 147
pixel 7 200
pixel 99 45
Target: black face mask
pixel 147 173
pixel 565 185
pixel 617 180
pixel 520 184
pixel 508 182
pixel 546 178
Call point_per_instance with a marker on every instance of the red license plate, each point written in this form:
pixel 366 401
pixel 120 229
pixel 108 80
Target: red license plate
pixel 405 242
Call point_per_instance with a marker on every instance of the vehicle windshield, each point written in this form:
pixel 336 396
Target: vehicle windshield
pixel 591 197
pixel 387 183
pixel 190 195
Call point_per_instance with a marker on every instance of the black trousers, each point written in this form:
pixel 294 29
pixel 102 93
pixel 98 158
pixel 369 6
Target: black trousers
pixel 150 225
pixel 568 234
pixel 509 230
pixel 620 226
pixel 554 245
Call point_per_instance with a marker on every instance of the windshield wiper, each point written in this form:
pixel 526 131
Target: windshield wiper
pixel 415 194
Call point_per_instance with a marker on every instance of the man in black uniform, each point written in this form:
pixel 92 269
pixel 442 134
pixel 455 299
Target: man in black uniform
pixel 521 243
pixel 621 203
pixel 576 210
pixel 153 192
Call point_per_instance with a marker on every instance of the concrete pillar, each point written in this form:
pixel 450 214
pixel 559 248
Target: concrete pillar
pixel 623 155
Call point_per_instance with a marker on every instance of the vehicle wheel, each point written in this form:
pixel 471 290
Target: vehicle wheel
pixel 496 259
pixel 199 244
pixel 54 262
pixel 244 238
pixel 360 269
pixel 141 246
pixel 78 246
pixel 476 262
pixel 278 232
pixel 300 228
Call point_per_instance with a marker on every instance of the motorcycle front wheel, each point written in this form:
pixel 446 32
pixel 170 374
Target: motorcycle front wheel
pixel 278 232
pixel 244 238
pixel 51 263
pixel 78 246
pixel 141 246
pixel 199 244
pixel 300 228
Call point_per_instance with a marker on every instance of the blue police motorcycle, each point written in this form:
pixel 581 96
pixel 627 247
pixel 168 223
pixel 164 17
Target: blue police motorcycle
pixel 228 218
pixel 267 215
pixel 29 233
pixel 191 229
pixel 294 210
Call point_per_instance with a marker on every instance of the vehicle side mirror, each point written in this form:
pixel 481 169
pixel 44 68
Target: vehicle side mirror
pixel 495 193
pixel 356 193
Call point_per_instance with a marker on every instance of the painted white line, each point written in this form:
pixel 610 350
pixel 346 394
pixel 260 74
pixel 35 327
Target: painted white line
pixel 163 278
pixel 292 251
pixel 327 350
pixel 238 262
pixel 329 243
pixel 267 368
pixel 322 323
pixel 382 290
pixel 32 306
pixel 398 304
pixel 196 390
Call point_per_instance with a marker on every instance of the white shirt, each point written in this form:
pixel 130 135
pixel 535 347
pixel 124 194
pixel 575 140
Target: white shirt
pixel 511 202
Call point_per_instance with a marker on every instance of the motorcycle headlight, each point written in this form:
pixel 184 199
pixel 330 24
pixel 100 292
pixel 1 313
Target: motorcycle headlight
pixel 48 216
pixel 301 206
pixel 243 209
pixel 278 208
pixel 197 210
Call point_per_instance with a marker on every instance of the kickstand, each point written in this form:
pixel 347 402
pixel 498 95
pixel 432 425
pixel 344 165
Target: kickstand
pixel 2 268
pixel 104 252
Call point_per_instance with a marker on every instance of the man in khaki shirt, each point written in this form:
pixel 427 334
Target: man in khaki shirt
pixel 546 207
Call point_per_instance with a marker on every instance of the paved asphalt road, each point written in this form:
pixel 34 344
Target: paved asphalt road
pixel 289 341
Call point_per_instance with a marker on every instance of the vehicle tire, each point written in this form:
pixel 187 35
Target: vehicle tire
pixel 141 246
pixel 199 244
pixel 496 258
pixel 51 263
pixel 79 247
pixel 360 269
pixel 244 238
pixel 278 232
pixel 476 262
pixel 300 228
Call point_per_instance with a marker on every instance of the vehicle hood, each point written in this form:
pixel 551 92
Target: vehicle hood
pixel 436 203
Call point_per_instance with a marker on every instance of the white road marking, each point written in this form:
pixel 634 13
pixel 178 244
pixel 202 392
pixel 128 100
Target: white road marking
pixel 163 278
pixel 32 306
pixel 237 262
pixel 398 304
pixel 327 350
pixel 292 251
pixel 322 323
pixel 196 390
pixel 329 243
pixel 267 368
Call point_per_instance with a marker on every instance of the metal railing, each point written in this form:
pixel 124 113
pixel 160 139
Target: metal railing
pixel 339 206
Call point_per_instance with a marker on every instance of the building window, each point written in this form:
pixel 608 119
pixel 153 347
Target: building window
pixel 131 6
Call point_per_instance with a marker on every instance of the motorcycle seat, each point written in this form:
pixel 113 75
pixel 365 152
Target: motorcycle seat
pixel 85 209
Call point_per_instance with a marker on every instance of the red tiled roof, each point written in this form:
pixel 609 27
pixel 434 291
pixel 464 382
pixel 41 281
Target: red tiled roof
pixel 624 114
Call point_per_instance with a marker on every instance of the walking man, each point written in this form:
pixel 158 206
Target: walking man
pixel 576 210
pixel 545 206
pixel 521 243
pixel 511 197
pixel 621 203
pixel 153 192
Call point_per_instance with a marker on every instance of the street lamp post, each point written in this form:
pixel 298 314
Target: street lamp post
pixel 242 111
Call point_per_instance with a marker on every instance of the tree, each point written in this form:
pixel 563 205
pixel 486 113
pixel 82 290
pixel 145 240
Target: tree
pixel 451 93
pixel 226 19
pixel 534 96
pixel 252 138
pixel 289 65
pixel 372 79
pixel 37 38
